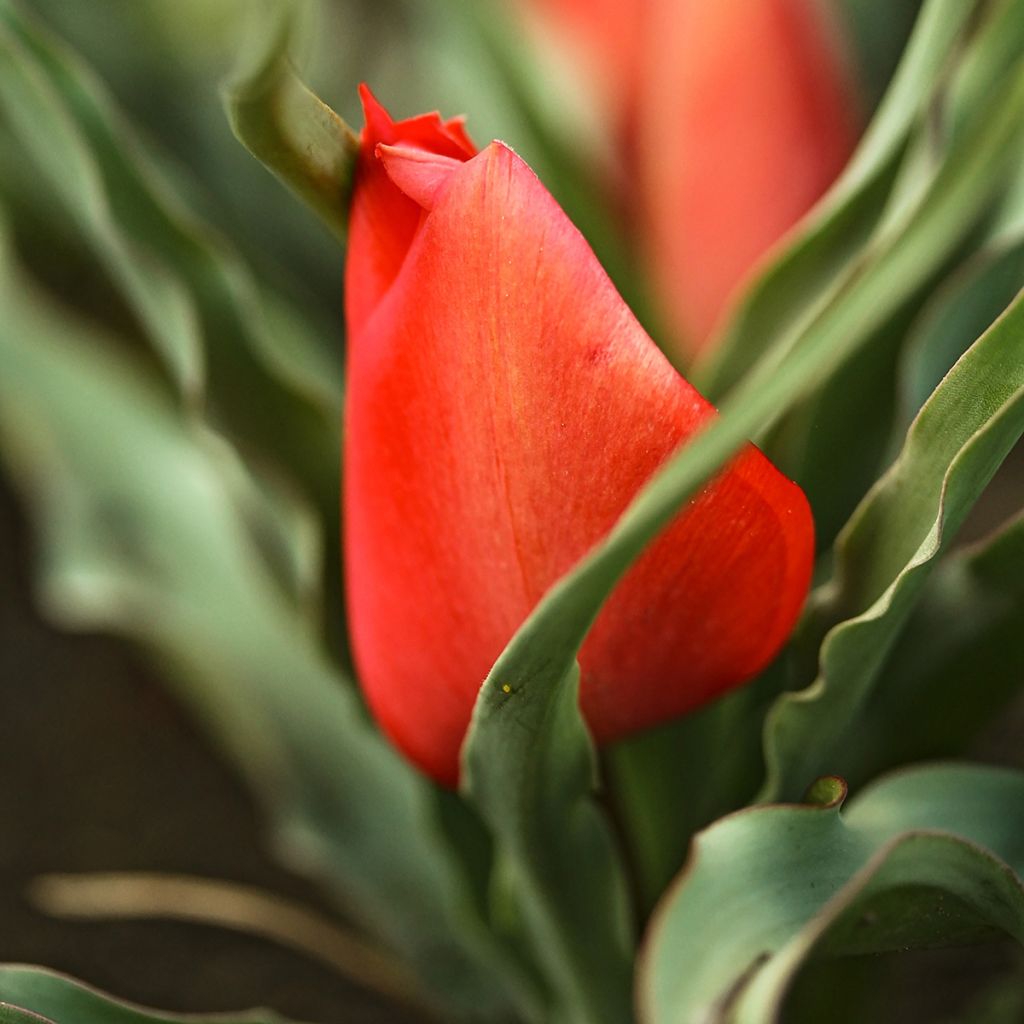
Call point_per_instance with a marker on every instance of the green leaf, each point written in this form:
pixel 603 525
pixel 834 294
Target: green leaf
pixel 44 997
pixel 13 1015
pixel 835 442
pixel 884 554
pixel 877 43
pixel 529 767
pixel 957 663
pixel 297 136
pixel 923 857
pixel 995 51
pixel 141 534
pixel 958 314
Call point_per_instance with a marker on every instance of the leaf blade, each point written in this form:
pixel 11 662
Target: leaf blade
pixel 883 556
pixel 286 127
pixel 764 886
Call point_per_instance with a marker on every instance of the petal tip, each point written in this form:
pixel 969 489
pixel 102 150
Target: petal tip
pixel 378 122
pixel 420 174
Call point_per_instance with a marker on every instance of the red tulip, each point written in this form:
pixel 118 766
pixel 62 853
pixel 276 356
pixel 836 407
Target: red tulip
pixel 733 118
pixel 503 408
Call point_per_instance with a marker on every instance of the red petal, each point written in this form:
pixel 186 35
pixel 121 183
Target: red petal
pixel 383 220
pixel 419 174
pixel 504 407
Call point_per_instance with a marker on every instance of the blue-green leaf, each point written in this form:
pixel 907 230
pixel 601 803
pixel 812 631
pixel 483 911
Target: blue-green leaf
pixel 923 857
pixel 957 663
pixel 957 314
pixel 884 554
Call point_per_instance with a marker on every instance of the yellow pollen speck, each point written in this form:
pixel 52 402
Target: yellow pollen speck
pixel 505 688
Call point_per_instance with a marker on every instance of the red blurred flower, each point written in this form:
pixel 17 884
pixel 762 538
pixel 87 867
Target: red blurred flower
pixel 733 118
pixel 503 408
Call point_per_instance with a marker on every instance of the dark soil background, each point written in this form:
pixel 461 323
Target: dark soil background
pixel 101 771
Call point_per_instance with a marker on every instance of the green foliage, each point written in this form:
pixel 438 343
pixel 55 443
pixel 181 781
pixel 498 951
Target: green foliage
pixel 957 662
pixel 49 136
pixel 529 768
pixel 956 315
pixel 43 997
pixel 185 285
pixel 768 888
pixel 962 434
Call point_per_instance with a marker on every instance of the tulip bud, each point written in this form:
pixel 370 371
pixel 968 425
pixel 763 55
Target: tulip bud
pixel 504 406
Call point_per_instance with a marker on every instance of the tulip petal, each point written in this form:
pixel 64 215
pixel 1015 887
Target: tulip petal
pixel 504 407
pixel 383 219
pixel 420 174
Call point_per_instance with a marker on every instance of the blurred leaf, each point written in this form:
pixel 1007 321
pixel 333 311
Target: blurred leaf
pixel 140 534
pixel 1009 219
pixel 768 888
pixel 56 999
pixel 877 43
pixel 994 52
pixel 282 524
pixel 12 1015
pixel 835 442
pixel 825 248
pixel 297 136
pixel 273 377
pixel 886 550
pixel 50 136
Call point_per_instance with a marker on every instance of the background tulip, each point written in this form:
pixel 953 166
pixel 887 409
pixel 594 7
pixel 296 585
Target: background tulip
pixel 504 406
pixel 733 118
